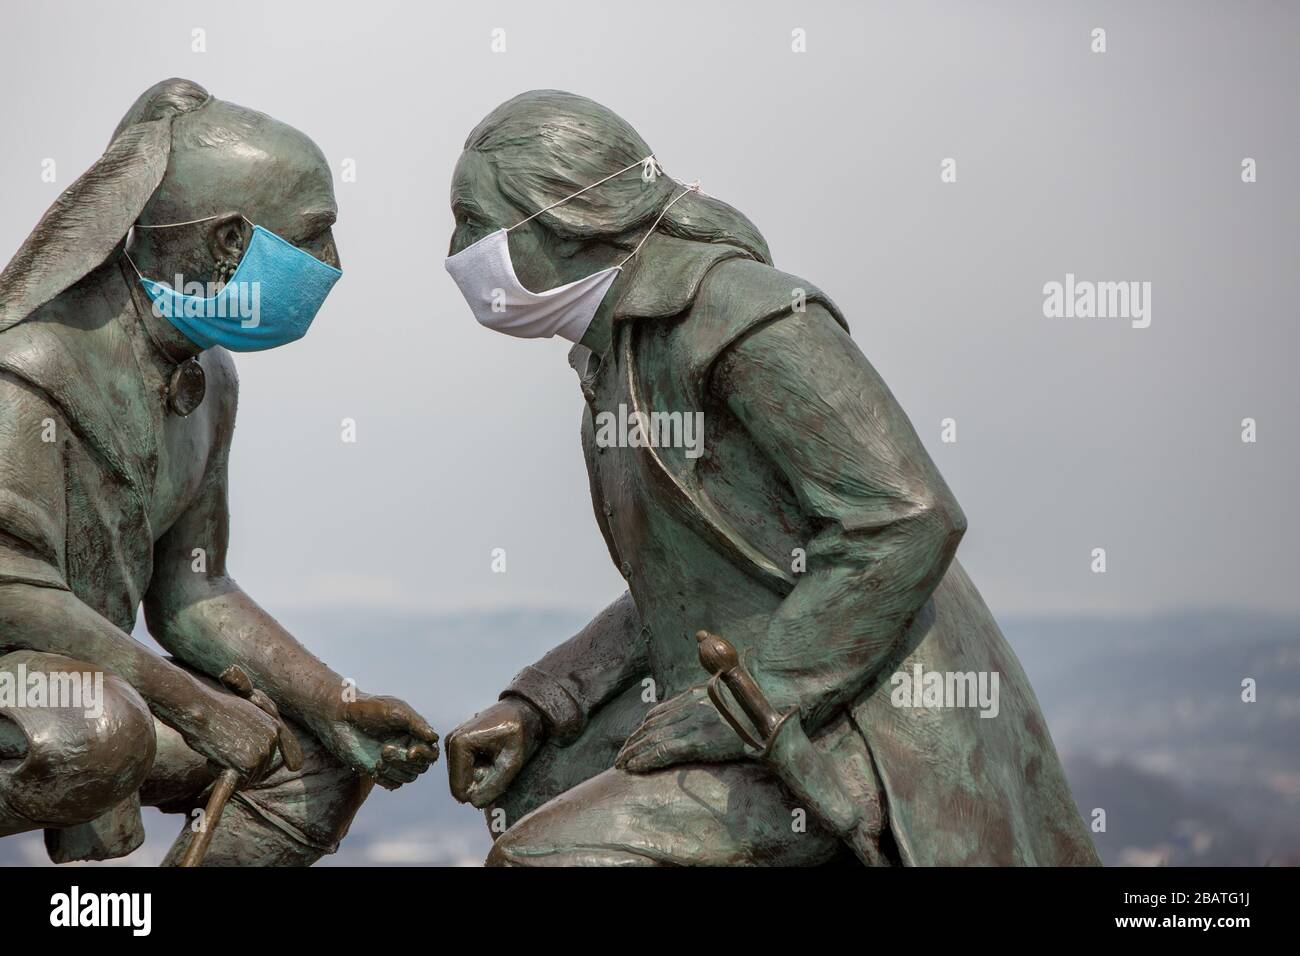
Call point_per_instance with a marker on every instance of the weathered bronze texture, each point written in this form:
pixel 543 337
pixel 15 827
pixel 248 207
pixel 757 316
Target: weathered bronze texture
pixel 812 530
pixel 115 433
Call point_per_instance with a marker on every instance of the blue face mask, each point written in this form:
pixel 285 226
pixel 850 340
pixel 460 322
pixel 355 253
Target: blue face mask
pixel 270 300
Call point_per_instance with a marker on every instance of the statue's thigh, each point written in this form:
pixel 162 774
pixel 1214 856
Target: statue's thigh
pixel 732 814
pixel 556 768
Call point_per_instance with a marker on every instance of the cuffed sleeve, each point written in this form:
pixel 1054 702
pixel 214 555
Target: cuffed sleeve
pixel 564 716
pixel 585 671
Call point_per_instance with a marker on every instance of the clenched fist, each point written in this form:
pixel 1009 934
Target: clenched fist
pixel 485 753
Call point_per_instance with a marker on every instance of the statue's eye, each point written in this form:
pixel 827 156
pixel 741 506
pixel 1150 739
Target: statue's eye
pixel 468 213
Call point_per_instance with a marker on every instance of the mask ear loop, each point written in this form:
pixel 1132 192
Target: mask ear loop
pixel 561 202
pixel 692 188
pixel 170 225
pixel 188 222
pixel 650 168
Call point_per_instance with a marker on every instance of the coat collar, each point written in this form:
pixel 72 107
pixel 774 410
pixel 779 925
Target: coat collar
pixel 664 281
pixel 667 276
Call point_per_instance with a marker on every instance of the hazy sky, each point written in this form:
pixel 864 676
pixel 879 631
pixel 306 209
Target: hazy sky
pixel 1072 433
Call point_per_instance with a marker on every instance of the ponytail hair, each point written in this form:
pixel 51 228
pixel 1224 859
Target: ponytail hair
pixel 89 220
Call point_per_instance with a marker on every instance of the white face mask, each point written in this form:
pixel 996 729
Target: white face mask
pixel 486 277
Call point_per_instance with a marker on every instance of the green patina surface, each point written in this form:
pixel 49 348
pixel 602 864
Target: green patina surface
pixel 813 532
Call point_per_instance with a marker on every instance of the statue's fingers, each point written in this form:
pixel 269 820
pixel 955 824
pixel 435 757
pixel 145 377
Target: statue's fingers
pixel 639 744
pixel 420 728
pixel 491 785
pixel 390 778
pixel 460 768
pixel 667 718
pixel 400 774
pixel 629 746
pixel 490 780
pixel 236 680
pixel 375 715
pixel 384 716
pixel 422 754
pixel 655 728
pixel 645 735
pixel 651 758
pixel 656 722
pixel 290 748
pixel 415 760
pixel 671 706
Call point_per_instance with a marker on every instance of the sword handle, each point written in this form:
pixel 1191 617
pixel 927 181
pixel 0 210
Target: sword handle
pixel 221 792
pixel 236 680
pixel 804 770
pixel 719 657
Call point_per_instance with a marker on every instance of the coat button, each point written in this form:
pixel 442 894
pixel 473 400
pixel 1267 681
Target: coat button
pixel 609 509
pixel 589 393
pixel 626 569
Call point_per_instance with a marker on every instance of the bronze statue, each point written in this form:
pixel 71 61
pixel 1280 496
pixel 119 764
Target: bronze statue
pixel 808 530
pixel 115 431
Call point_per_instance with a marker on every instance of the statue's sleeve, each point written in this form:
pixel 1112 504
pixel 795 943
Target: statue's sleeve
pixel 33 508
pixel 585 671
pixel 888 525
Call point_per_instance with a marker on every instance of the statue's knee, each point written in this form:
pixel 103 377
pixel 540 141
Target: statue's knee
pixel 507 850
pixel 77 740
pixel 315 804
pixel 518 845
pixel 338 802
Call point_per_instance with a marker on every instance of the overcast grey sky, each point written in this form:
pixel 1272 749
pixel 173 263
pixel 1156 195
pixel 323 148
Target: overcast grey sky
pixel 1072 434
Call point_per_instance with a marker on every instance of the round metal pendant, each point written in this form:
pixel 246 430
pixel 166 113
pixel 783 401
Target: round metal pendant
pixel 185 387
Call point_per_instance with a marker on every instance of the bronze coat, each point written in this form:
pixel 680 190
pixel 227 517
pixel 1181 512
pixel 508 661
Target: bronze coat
pixel 805 449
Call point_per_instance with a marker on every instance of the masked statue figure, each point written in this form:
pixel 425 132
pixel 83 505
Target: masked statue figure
pixel 809 528
pixel 117 406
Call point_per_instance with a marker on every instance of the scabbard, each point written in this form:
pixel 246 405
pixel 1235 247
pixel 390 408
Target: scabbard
pixel 785 747
pixel 810 777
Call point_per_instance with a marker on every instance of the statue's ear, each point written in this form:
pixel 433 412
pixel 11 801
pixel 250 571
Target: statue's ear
pixel 87 221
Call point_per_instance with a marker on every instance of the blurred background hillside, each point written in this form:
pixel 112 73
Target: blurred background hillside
pixel 1146 712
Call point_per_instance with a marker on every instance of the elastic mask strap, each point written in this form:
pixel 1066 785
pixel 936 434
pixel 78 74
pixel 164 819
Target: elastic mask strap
pixel 644 163
pixel 169 225
pixel 188 222
pixel 133 265
pixel 692 188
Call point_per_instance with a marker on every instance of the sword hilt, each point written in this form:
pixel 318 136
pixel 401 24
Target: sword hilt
pixel 236 680
pixel 798 763
pixel 719 658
